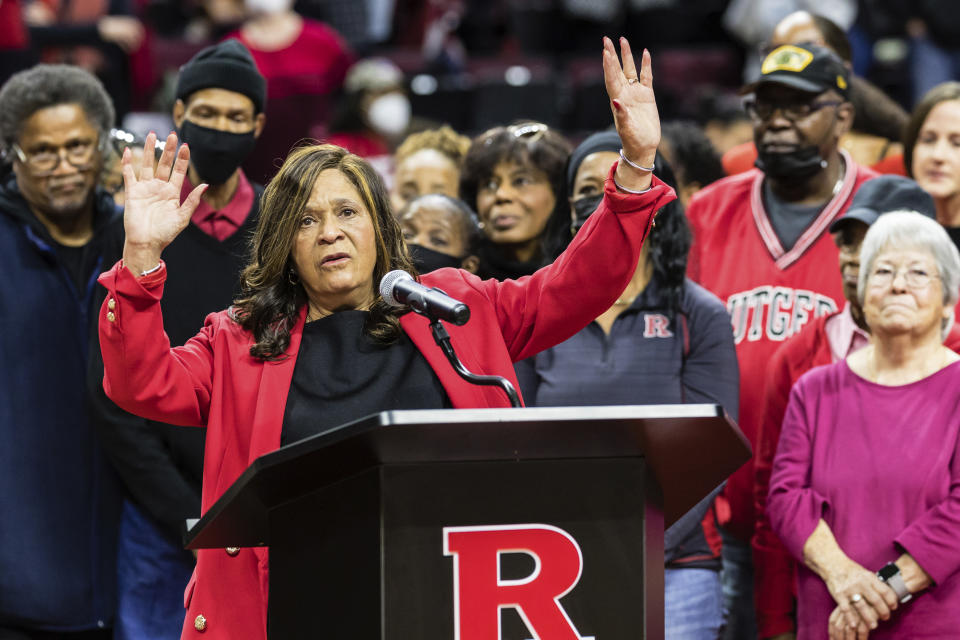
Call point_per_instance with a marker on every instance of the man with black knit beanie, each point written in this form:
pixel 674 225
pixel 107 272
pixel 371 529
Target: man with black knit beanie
pixel 219 114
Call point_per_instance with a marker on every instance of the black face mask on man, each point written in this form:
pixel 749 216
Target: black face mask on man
pixel 800 163
pixel 427 260
pixel 582 208
pixel 216 154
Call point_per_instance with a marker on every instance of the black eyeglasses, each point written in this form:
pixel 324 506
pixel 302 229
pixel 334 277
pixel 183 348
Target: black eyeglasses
pixel 792 111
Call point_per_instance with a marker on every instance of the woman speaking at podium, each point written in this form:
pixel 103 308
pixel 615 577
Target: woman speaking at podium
pixel 310 344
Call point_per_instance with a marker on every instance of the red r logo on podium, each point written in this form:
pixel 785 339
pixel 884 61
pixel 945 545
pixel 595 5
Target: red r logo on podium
pixel 479 592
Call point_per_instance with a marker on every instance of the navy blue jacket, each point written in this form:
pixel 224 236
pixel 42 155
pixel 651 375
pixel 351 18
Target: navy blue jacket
pixel 59 503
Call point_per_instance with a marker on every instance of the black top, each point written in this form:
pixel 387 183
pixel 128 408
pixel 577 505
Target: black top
pixel 788 220
pixel 341 375
pixel 78 262
pixel 954 233
pixel 493 264
pixel 203 274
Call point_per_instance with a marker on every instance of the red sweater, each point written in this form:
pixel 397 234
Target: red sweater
pixel 302 79
pixel 213 381
pixel 770 293
pixel 13 33
pixel 315 63
pixel 774 570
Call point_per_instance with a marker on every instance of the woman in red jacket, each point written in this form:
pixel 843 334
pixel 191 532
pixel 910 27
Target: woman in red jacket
pixel 311 345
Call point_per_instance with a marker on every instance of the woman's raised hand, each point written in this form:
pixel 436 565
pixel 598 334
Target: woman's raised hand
pixel 634 110
pixel 153 214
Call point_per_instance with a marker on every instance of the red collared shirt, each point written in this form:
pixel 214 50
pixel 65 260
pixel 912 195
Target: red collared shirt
pixel 223 223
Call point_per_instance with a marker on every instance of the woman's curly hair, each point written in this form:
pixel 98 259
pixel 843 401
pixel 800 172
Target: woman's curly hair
pixel 527 144
pixel 443 139
pixel 272 296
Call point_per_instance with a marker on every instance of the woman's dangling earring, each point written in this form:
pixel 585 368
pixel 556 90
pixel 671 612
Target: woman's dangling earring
pixel 292 277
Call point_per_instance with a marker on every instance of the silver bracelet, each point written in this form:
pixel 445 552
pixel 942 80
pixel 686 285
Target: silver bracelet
pixel 633 164
pixel 630 191
pixel 149 271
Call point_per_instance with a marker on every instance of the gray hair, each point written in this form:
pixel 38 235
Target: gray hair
pixel 455 206
pixel 48 85
pixel 913 230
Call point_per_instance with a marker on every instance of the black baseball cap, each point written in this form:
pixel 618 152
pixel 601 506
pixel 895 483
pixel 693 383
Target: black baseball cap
pixel 884 194
pixel 806 67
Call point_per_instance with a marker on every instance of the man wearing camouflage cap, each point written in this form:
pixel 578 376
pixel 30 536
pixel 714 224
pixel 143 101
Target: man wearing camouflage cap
pixel 773 260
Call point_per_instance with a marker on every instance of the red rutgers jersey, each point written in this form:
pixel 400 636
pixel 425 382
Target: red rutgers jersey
pixel 770 293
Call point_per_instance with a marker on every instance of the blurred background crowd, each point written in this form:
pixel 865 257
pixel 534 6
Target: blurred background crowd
pixel 470 65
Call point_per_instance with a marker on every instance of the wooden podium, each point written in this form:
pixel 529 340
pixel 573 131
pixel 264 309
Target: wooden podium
pixel 362 521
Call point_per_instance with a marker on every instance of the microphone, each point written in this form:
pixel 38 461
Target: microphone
pixel 398 288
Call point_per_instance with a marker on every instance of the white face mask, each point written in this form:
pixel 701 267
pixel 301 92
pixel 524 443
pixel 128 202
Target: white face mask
pixel 267 6
pixel 389 114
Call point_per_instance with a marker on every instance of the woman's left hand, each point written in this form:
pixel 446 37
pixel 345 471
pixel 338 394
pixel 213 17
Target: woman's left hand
pixel 840 629
pixel 634 108
pixel 859 594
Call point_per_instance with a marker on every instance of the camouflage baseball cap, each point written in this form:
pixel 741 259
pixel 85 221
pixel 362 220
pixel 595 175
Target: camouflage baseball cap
pixel 805 67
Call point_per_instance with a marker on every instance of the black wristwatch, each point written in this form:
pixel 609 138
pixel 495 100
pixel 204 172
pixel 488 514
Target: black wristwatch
pixel 890 574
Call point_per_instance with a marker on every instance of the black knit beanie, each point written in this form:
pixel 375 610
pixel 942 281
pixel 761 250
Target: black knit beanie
pixel 227 65
pixel 600 141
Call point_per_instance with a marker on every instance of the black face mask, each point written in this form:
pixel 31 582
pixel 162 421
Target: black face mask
pixel 427 260
pixel 796 165
pixel 582 208
pixel 216 154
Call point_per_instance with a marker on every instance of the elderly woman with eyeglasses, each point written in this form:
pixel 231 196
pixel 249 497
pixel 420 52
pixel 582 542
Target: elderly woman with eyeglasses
pixel 865 488
pixel 513 177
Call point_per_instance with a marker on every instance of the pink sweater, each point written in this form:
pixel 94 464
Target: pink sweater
pixel 881 465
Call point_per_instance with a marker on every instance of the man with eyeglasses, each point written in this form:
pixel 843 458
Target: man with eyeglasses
pixel 219 114
pixel 873 137
pixel 827 339
pixel 761 245
pixel 59 499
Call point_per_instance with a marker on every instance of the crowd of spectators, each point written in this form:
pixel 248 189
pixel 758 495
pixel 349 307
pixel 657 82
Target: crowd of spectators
pixel 798 136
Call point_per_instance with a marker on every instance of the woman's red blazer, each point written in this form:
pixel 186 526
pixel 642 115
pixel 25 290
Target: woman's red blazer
pixel 213 382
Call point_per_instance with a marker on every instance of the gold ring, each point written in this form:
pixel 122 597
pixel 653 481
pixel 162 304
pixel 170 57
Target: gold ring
pixel 633 80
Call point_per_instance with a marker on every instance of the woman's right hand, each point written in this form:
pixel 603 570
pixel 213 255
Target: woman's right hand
pixel 860 595
pixel 634 108
pixel 841 630
pixel 153 215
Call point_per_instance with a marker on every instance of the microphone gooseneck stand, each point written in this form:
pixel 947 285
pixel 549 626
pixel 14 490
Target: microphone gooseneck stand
pixel 442 338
